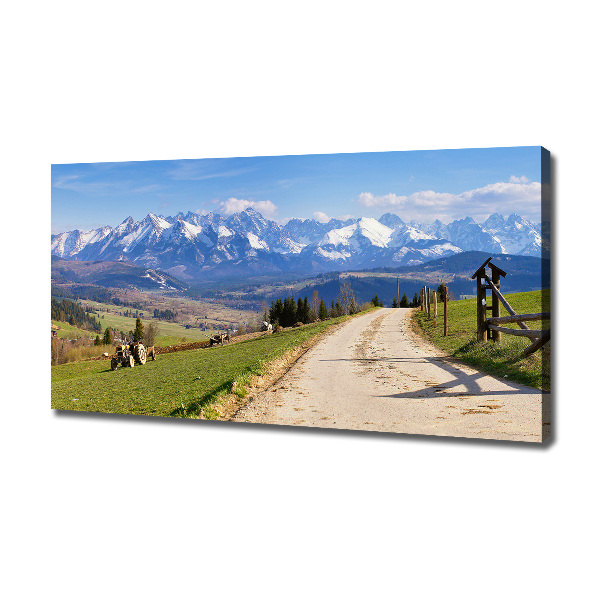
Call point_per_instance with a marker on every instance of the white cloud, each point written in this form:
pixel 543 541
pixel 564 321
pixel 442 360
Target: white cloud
pixel 321 217
pixel 514 179
pixel 517 195
pixel 368 199
pixel 234 205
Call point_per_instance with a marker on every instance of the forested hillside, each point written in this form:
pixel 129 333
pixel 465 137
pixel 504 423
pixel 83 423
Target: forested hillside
pixel 70 312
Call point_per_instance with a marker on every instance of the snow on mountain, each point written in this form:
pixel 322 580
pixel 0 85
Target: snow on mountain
pixel 405 234
pixel 515 234
pixel 162 282
pixel 355 235
pixel 193 243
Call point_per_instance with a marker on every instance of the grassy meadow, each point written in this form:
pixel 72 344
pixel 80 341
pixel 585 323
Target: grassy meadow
pixel 181 384
pixel 66 331
pixel 500 359
pixel 190 312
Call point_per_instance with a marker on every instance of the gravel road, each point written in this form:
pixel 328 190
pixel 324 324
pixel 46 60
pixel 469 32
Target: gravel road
pixel 375 374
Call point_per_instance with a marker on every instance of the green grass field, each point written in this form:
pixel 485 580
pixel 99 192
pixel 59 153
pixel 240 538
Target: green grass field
pixel 69 332
pixel 173 331
pixel 180 384
pixel 498 359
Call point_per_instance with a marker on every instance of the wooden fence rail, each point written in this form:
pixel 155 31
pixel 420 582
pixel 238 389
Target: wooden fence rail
pixel 489 326
pixel 530 333
pixel 515 318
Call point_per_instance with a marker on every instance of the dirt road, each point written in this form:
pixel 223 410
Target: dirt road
pixel 375 374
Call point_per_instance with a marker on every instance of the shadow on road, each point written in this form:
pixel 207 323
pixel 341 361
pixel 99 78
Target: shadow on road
pixel 460 378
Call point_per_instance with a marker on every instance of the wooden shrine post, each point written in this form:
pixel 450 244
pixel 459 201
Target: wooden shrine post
pixel 496 272
pixel 483 332
pixel 445 310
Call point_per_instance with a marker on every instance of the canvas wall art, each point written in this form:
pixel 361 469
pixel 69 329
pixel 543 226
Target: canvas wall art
pixel 401 292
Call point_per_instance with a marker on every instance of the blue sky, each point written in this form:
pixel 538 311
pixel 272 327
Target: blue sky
pixel 416 185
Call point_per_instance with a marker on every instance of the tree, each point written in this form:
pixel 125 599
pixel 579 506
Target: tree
pixel 299 309
pixel 138 334
pixel 375 300
pixel 288 318
pixel 415 301
pixel 303 310
pixel 150 334
pixel 395 303
pixel 322 310
pixel 307 317
pixel 347 299
pixel 265 311
pixel 108 337
pixel 97 341
pixel 441 291
pixel 314 304
pixel 404 301
pixel 276 311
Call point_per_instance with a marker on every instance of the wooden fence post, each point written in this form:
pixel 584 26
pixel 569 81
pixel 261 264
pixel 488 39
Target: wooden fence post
pixel 434 308
pixel 480 310
pixel 446 310
pixel 429 303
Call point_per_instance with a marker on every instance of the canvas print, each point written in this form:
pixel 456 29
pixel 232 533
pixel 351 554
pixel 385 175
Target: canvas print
pixel 402 292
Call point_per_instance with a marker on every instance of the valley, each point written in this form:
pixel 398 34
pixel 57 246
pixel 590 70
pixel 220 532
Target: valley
pixel 192 319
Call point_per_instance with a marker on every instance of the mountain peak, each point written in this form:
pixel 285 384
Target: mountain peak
pixel 494 221
pixel 211 242
pixel 391 220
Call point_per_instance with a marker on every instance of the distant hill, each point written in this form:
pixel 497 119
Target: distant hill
pixel 466 263
pixel 524 273
pixel 117 274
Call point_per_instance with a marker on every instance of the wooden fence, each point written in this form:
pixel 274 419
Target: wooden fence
pixel 491 327
pixel 429 297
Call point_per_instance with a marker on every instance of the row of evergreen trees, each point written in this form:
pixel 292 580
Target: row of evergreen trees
pixel 165 315
pixel 404 303
pixel 73 314
pixel 288 312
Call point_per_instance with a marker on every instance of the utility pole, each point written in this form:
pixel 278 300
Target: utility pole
pixel 398 296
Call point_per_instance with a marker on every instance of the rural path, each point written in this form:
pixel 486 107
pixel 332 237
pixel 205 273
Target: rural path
pixel 374 373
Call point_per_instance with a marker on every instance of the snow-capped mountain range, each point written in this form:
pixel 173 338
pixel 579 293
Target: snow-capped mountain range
pixel 191 246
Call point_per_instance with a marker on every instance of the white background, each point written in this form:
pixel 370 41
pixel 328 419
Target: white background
pixel 101 507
